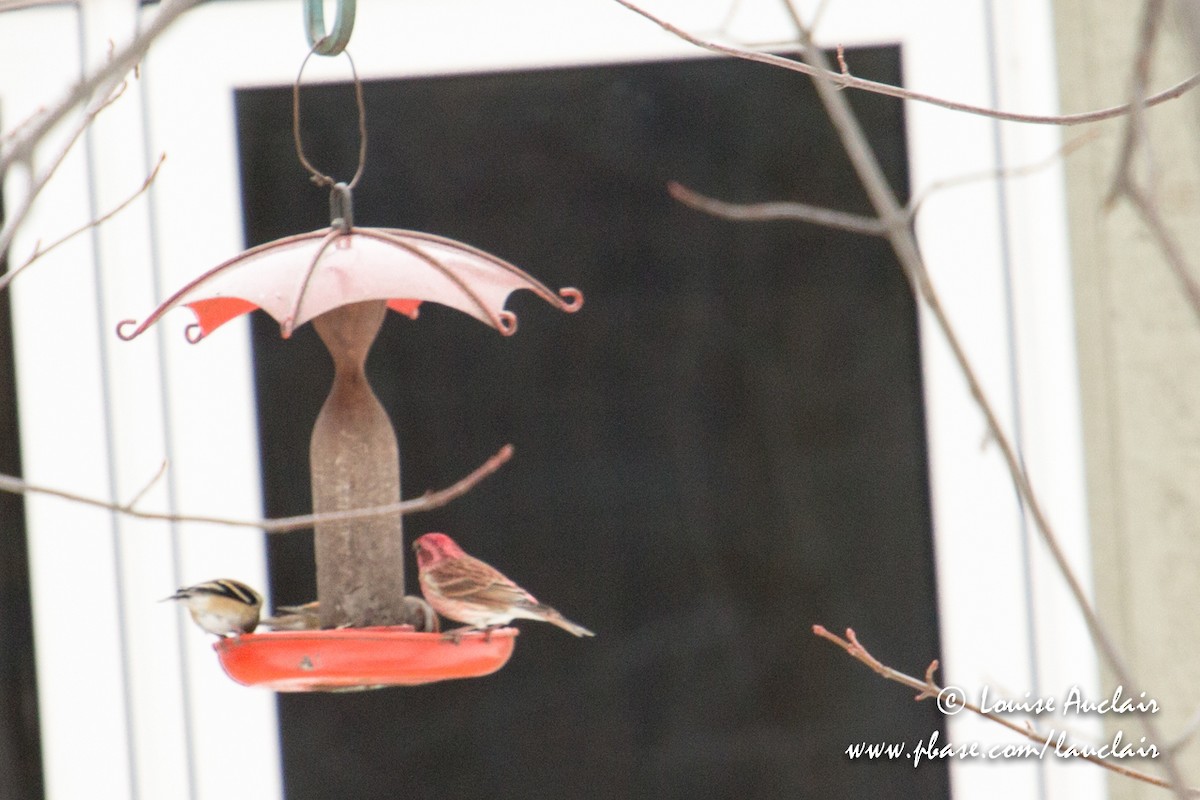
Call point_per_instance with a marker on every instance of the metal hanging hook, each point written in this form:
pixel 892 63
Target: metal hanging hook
pixel 341 208
pixel 328 44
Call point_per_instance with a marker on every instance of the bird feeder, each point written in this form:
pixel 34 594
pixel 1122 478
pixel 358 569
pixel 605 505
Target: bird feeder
pixel 343 279
pixel 363 658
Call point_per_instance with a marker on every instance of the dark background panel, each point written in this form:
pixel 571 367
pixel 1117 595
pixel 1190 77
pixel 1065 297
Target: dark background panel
pixel 722 448
pixel 20 745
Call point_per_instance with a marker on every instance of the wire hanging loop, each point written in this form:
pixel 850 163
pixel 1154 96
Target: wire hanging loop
pixel 333 43
pixel 341 214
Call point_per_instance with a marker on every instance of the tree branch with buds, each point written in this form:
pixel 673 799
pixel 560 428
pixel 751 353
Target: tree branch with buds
pixel 927 688
pixel 893 221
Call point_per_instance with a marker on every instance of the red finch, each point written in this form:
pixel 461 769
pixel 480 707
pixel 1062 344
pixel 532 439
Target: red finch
pixel 465 589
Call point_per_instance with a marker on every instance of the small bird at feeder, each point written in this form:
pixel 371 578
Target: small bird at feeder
pixel 306 617
pixel 224 606
pixel 465 589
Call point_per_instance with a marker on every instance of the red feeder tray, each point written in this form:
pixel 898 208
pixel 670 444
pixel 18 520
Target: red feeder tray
pixel 360 658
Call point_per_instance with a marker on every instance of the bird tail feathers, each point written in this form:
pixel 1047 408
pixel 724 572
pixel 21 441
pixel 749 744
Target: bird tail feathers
pixel 555 618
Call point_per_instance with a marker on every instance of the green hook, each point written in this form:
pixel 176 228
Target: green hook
pixel 314 19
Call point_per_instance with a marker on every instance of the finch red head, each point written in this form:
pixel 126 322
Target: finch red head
pixel 464 589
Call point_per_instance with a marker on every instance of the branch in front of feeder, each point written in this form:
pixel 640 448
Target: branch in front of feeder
pixel 427 502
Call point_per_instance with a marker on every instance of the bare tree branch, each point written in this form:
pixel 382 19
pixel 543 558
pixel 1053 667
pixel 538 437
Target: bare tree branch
pixel 854 223
pixel 1135 128
pixel 158 476
pixel 427 502
pixel 895 222
pixel 17 5
pixel 40 251
pixel 1187 733
pixel 846 80
pixel 13 222
pixel 108 83
pixel 1067 148
pixel 929 688
pixel 760 212
pixel 1144 203
pixel 20 149
pixel 1125 184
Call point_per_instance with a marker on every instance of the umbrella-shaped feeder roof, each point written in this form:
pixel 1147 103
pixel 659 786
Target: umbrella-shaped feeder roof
pixel 340 278
pixel 300 277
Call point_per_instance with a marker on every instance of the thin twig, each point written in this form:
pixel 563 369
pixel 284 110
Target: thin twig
pixel 162 470
pixel 1145 205
pixel 427 502
pixel 40 251
pixel 1187 733
pixel 929 688
pixel 855 223
pixel 1136 138
pixel 849 81
pixel 1067 148
pixel 1135 128
pixel 730 13
pixel 758 212
pixel 818 13
pixel 19 129
pixel 21 149
pixel 17 5
pixel 9 229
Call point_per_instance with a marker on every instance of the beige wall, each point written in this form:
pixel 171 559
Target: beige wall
pixel 1139 363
